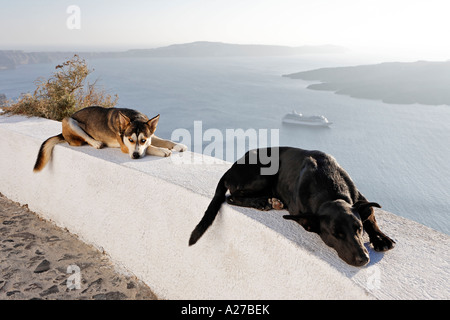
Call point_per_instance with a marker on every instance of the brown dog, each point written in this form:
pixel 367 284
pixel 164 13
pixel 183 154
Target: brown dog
pixel 127 129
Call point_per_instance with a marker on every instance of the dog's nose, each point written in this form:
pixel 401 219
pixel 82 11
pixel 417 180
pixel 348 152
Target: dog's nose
pixel 361 260
pixel 135 155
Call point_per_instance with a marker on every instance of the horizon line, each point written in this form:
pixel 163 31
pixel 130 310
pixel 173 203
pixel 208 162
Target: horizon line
pixel 125 48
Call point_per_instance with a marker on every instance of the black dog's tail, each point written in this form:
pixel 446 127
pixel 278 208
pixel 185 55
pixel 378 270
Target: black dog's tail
pixel 211 212
pixel 45 151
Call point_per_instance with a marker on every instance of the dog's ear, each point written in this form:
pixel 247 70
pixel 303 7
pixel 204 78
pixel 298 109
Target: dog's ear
pixel 364 208
pixel 309 221
pixel 152 123
pixel 124 121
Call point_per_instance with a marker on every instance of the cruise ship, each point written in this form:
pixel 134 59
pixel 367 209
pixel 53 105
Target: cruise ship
pixel 297 118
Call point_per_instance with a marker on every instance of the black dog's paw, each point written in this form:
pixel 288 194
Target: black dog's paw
pixel 276 203
pixel 382 243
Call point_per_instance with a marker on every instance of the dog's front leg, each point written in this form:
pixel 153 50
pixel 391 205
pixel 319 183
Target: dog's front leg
pixel 162 143
pixel 160 152
pixel 379 240
pixel 123 147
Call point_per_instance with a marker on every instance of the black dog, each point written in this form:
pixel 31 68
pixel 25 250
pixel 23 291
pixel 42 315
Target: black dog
pixel 316 191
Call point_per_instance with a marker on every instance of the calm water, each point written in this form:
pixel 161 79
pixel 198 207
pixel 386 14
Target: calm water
pixel 396 154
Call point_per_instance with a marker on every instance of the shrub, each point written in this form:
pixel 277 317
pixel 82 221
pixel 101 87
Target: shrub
pixel 65 92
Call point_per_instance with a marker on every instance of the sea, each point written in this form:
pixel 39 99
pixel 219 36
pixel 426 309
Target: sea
pixel 397 155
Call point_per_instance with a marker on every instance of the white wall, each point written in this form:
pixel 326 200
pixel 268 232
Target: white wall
pixel 141 212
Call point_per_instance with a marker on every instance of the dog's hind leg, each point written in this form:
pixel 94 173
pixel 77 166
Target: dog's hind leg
pixel 263 203
pixel 250 189
pixel 260 203
pixel 76 136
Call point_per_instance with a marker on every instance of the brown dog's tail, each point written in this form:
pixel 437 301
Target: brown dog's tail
pixel 45 152
pixel 211 212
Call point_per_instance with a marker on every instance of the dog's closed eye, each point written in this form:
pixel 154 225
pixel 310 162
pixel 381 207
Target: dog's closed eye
pixel 339 235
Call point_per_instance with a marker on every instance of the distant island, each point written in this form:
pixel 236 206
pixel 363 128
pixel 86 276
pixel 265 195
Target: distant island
pixel 11 58
pixel 420 82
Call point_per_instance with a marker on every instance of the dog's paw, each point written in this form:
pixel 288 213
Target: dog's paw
pixel 179 147
pixel 276 203
pixel 159 152
pixel 97 144
pixel 382 243
pixel 165 152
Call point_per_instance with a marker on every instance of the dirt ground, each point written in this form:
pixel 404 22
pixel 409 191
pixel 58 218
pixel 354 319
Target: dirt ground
pixel 39 260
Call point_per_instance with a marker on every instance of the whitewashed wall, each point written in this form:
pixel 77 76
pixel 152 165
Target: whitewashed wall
pixel 141 213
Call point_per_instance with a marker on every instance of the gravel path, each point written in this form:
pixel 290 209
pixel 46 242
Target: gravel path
pixel 41 261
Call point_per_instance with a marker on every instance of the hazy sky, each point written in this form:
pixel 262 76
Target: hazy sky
pixel 107 24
